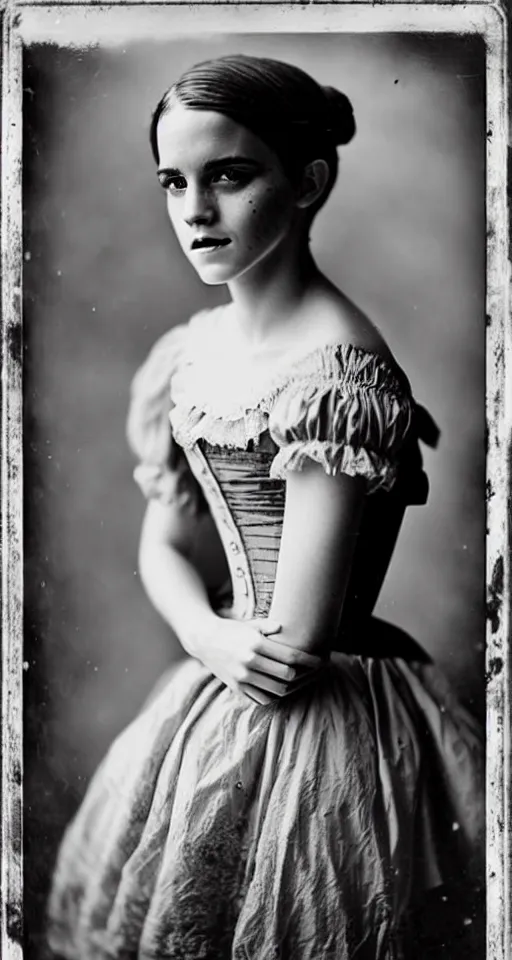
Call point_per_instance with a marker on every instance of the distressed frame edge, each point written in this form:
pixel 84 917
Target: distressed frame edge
pixel 499 476
pixel 11 883
pixel 498 494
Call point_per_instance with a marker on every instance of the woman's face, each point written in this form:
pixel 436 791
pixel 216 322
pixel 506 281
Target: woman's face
pixel 228 198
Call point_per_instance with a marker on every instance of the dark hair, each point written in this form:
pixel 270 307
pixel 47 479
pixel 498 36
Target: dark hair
pixel 294 115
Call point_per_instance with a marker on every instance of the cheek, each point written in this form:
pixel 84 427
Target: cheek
pixel 176 220
pixel 173 204
pixel 268 214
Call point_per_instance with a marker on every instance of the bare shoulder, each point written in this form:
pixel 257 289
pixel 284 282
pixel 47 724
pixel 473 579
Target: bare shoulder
pixel 336 319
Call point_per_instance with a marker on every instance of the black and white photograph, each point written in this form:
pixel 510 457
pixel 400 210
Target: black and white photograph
pixel 258 286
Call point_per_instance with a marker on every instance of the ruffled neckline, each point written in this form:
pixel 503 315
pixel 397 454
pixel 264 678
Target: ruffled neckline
pixel 212 381
pixel 222 401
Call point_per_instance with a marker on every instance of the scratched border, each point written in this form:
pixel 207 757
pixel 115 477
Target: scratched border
pixel 24 21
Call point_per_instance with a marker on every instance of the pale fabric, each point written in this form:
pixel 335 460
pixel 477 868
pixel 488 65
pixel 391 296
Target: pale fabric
pixel 220 829
pixel 346 408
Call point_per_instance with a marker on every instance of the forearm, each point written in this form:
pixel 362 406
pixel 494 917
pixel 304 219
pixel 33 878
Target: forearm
pixel 178 593
pixel 304 628
pixel 308 598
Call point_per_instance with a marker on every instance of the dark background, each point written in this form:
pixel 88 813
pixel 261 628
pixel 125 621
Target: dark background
pixel 403 234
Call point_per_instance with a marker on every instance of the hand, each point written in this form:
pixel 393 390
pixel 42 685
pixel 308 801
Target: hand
pixel 246 656
pixel 301 667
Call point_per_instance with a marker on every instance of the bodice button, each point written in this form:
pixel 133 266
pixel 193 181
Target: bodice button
pixel 241 576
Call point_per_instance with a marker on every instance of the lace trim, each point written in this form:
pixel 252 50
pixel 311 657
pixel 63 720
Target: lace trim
pixel 200 422
pixel 189 426
pixel 335 459
pixel 188 380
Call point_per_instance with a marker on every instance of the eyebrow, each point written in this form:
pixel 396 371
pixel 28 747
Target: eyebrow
pixel 212 165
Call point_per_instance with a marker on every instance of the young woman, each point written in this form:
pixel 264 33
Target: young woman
pixel 303 781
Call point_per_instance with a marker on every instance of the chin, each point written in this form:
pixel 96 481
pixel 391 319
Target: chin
pixel 214 281
pixel 216 274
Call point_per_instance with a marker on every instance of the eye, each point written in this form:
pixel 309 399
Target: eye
pixel 173 184
pixel 231 175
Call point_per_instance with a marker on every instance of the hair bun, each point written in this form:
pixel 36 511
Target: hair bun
pixel 342 124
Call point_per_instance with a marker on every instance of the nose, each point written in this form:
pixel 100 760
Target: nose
pixel 199 206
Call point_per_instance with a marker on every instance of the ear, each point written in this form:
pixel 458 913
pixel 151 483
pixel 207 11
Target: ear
pixel 314 180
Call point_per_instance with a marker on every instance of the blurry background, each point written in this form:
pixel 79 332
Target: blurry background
pixel 403 234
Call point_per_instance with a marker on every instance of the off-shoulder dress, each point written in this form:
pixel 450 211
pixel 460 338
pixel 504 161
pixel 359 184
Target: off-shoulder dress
pixel 220 829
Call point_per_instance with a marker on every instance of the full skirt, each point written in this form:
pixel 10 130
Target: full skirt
pixel 220 829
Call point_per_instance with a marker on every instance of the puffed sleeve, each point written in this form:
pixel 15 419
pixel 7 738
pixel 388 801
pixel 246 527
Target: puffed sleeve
pixel 351 417
pixel 162 472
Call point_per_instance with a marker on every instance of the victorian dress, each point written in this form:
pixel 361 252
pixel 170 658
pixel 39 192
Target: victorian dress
pixel 313 828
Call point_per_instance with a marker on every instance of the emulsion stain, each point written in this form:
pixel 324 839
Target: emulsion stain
pixel 495 668
pixel 14 341
pixel 496 594
pixel 14 923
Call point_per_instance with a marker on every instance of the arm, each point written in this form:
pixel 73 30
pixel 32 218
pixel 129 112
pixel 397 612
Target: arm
pixel 321 523
pixel 242 655
pixel 173 584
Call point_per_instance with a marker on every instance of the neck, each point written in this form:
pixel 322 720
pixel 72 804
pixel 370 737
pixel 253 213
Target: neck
pixel 266 298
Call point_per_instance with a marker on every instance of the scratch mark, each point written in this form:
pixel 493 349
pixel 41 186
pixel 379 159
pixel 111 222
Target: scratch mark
pixel 496 595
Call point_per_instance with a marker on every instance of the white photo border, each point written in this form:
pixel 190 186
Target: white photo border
pixel 78 23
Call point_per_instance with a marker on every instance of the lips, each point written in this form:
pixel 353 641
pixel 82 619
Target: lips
pixel 209 243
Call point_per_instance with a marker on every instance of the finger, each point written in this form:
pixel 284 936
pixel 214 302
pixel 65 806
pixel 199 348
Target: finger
pixel 255 694
pixel 262 690
pixel 286 654
pixel 305 680
pixel 264 682
pixel 273 668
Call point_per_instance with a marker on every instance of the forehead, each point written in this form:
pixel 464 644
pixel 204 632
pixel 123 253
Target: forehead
pixel 189 138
